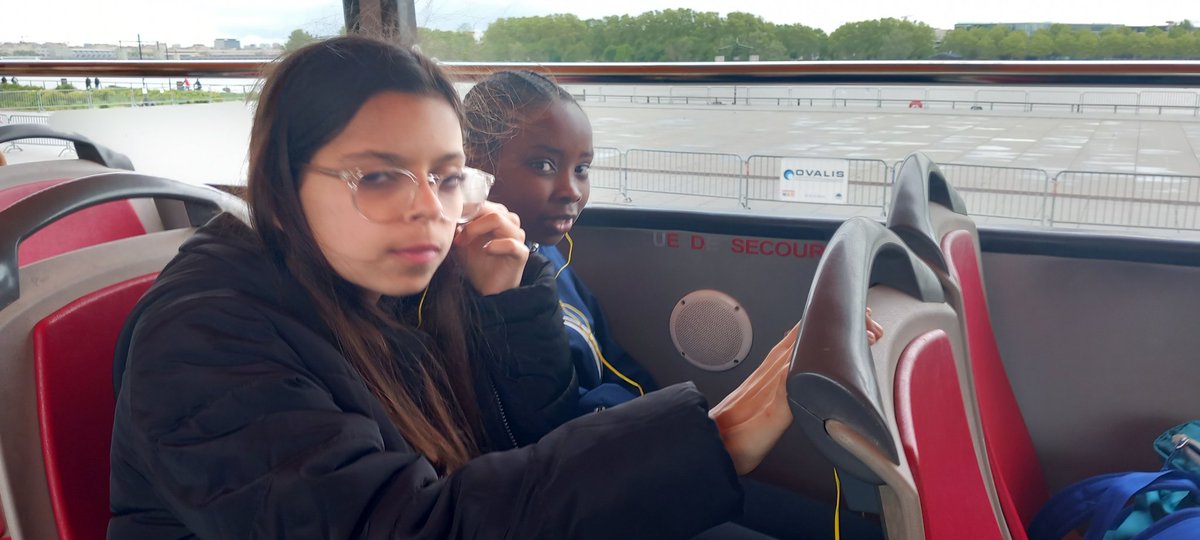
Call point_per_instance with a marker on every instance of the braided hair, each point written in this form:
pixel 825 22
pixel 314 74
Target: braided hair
pixel 498 107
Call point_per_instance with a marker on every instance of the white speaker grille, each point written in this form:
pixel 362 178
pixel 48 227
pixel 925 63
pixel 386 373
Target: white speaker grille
pixel 711 330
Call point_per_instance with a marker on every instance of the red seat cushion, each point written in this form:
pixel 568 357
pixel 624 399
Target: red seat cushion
pixel 73 365
pixel 1015 467
pixel 96 225
pixel 937 441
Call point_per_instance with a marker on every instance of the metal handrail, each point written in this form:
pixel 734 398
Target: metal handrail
pixel 1072 73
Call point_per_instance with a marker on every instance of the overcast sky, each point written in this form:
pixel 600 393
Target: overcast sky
pixel 258 21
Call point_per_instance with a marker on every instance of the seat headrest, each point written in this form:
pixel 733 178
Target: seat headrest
pixel 832 371
pixel 919 183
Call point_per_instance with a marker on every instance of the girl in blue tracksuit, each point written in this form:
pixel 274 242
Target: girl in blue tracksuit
pixel 536 139
pixel 607 374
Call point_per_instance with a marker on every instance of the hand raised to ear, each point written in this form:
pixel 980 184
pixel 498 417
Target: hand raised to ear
pixel 492 249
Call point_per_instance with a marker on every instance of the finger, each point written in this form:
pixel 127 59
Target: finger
pixel 504 213
pixel 875 327
pixel 485 210
pixel 777 363
pixel 785 345
pixel 490 227
pixel 871 338
pixel 795 331
pixel 490 207
pixel 506 247
pixel 783 351
pixel 481 227
pixel 752 397
pixel 514 217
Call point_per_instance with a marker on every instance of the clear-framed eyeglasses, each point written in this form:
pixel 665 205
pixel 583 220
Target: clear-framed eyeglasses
pixel 385 194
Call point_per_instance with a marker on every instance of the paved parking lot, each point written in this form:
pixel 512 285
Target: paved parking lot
pixel 1053 142
pixel 1142 144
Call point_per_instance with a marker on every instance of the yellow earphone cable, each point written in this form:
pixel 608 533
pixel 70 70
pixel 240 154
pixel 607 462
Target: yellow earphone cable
pixel 421 306
pixel 837 507
pixel 591 338
pixel 570 250
pixel 582 320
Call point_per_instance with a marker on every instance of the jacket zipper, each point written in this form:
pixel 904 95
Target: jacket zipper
pixel 503 416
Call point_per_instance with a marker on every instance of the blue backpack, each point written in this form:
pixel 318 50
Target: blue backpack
pixel 1163 505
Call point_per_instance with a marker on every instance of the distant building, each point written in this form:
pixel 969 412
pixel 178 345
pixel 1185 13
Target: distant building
pixel 938 35
pixel 227 43
pixel 81 53
pixel 1030 27
pixel 241 54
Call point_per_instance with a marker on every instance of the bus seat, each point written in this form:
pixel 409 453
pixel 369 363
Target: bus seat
pixel 933 220
pixel 1015 465
pixel 95 225
pixel 85 148
pixel 73 350
pixel 59 318
pixel 850 400
pixel 937 442
pixel 102 223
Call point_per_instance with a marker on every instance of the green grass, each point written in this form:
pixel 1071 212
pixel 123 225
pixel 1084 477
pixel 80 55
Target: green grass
pixel 24 98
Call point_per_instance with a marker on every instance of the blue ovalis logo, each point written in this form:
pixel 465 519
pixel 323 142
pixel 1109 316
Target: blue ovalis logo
pixel 789 174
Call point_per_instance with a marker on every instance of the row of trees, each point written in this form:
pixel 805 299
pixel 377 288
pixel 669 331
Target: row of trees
pixel 673 35
pixel 683 35
pixel 1060 41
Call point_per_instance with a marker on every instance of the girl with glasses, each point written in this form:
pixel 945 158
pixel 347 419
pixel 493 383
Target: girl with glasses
pixel 378 355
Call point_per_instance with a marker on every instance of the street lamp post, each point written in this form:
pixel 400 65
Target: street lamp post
pixel 737 44
pixel 395 19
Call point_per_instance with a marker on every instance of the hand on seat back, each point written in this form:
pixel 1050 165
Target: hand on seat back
pixel 874 331
pixel 753 417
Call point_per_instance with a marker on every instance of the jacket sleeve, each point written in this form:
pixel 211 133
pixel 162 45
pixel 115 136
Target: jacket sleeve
pixel 242 439
pixel 525 352
pixel 652 468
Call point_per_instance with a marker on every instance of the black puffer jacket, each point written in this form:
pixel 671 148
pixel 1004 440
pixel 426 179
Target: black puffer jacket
pixel 237 417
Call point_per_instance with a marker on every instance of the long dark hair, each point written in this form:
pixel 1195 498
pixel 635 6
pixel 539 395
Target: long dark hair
pixel 499 106
pixel 308 98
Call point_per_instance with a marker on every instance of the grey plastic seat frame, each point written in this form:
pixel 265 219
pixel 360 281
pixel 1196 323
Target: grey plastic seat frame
pixel 841 389
pixel 31 293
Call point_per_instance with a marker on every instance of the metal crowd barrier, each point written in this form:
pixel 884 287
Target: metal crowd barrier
pixel 608 170
pixel 684 173
pixel 1125 200
pixel 112 96
pixel 1007 192
pixel 66 146
pixel 1143 102
pixel 1150 102
pixel 867 183
pixel 1155 201
pixel 1185 102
